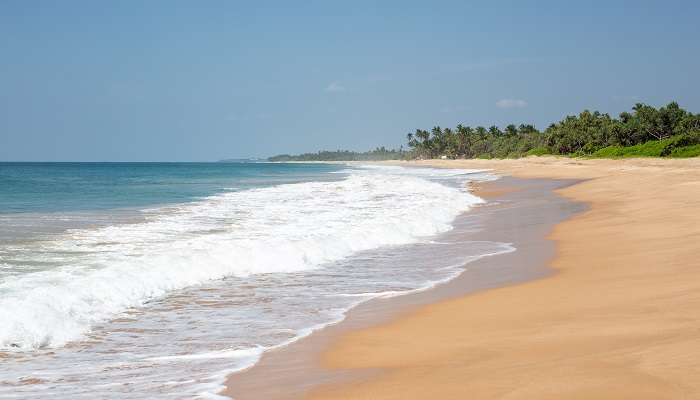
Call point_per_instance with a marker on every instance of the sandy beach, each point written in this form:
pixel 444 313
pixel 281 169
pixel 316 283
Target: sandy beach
pixel 617 317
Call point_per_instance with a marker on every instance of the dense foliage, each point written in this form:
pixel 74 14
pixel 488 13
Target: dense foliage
pixel 646 131
pixel 378 154
pixel 668 131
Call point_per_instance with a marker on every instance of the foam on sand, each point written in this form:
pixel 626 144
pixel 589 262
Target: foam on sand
pixel 284 228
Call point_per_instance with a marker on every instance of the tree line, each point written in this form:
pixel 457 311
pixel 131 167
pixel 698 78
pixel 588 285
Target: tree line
pixel 378 154
pixel 645 131
pixel 668 131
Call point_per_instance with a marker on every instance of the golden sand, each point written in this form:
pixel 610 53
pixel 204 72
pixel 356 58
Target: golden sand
pixel 620 318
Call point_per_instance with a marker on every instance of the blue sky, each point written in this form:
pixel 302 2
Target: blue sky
pixel 199 81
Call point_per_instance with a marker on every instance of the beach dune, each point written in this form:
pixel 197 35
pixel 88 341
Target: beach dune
pixel 619 318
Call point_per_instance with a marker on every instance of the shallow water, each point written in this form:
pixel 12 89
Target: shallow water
pixel 170 296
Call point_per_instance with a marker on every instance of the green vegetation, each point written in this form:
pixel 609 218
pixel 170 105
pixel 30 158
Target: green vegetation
pixel 378 154
pixel 687 151
pixel 669 131
pixel 678 146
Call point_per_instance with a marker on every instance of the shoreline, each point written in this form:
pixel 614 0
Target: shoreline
pixel 293 371
pixel 617 319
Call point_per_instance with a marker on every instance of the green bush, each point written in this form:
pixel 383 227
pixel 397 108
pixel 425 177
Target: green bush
pixel 686 145
pixel 687 151
pixel 588 149
pixel 680 141
pixel 538 151
pixel 609 152
pixel 651 148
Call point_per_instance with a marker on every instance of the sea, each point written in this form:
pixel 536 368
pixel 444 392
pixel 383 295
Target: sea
pixel 158 280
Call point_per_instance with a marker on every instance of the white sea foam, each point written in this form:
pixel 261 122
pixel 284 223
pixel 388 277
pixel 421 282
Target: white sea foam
pixel 184 344
pixel 281 229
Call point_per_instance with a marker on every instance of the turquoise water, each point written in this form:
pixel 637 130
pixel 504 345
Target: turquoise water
pixel 155 280
pixel 49 187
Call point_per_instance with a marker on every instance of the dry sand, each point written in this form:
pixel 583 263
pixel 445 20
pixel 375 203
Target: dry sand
pixel 519 211
pixel 620 318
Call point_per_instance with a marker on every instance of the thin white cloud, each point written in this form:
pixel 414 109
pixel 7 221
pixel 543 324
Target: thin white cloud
pixel 511 103
pixel 335 87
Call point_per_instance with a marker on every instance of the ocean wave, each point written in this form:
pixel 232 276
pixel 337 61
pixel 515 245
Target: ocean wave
pixel 285 228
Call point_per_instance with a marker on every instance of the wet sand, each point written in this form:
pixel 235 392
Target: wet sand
pixel 620 317
pixel 520 211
